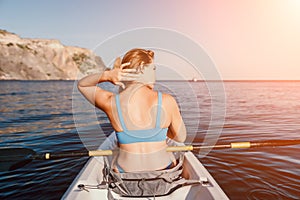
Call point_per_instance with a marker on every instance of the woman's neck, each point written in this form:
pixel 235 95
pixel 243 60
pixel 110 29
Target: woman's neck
pixel 136 86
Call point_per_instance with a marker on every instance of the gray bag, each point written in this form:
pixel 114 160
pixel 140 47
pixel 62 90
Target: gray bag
pixel 146 184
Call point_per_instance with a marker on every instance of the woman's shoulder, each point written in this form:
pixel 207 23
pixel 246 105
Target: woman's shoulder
pixel 168 99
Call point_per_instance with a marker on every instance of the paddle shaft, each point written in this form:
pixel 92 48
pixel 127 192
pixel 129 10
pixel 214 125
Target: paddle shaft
pixel 14 158
pixel 47 156
pixel 233 145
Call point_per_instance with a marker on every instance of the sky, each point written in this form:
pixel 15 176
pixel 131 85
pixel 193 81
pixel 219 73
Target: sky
pixel 245 39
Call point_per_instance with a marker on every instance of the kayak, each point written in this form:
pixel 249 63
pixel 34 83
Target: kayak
pixel 85 185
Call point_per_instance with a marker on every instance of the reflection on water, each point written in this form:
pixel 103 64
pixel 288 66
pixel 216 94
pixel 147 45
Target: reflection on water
pixel 39 115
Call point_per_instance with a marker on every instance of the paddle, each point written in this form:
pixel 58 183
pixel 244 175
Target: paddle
pixel 14 158
pixel 235 145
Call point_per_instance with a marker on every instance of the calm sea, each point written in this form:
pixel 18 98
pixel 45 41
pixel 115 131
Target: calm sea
pixel 49 116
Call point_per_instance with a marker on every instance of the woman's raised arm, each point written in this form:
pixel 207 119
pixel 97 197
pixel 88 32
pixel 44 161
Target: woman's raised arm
pixel 98 96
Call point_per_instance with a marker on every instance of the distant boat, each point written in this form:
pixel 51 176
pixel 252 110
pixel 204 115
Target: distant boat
pixel 194 79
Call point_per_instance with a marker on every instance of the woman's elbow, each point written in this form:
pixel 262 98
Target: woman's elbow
pixel 182 133
pixel 79 86
pixel 181 137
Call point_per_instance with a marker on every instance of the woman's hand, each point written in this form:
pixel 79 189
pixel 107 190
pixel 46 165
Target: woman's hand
pixel 96 95
pixel 118 74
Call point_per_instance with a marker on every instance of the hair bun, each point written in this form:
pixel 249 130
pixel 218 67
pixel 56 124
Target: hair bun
pixel 150 53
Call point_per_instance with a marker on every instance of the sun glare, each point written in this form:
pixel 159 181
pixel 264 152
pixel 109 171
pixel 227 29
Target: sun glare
pixel 292 7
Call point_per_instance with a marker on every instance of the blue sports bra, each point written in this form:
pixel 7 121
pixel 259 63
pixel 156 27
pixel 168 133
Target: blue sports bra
pixel 148 135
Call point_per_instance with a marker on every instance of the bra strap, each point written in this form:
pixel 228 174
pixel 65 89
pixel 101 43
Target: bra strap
pixel 158 110
pixel 120 112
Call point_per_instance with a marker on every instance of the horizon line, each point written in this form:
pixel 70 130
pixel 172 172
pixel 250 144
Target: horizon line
pixel 176 80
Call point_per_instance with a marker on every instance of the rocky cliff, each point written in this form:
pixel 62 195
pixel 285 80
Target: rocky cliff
pixel 42 59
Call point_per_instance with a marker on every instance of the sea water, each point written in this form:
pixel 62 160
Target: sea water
pixel 49 116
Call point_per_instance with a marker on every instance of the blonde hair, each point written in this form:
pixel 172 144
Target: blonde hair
pixel 138 57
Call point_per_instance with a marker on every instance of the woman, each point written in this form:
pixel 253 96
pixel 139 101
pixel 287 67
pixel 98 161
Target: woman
pixel 141 117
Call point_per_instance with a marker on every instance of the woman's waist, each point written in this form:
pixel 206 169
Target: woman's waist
pixel 137 161
pixel 143 147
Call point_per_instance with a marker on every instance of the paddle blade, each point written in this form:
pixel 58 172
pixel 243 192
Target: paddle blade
pixel 20 164
pixel 14 158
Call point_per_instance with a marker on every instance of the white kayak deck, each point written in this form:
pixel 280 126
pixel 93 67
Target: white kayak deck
pixel 91 175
